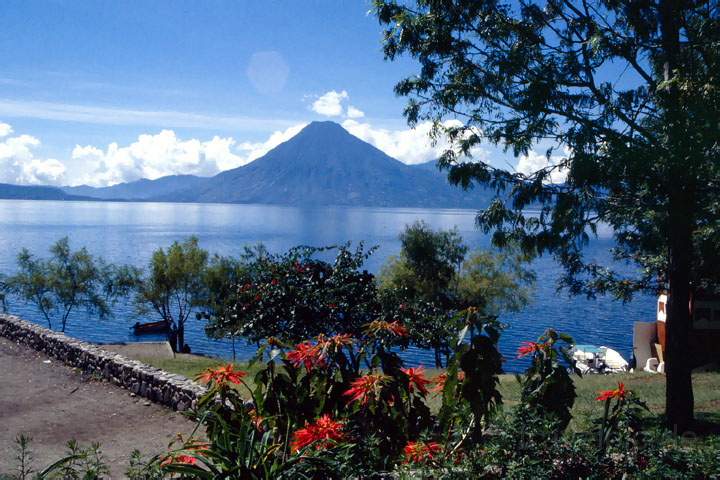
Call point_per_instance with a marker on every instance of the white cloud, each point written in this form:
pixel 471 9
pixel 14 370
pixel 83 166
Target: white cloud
pixel 162 154
pixel 330 104
pixel 5 129
pixel 353 112
pixel 42 172
pixel 18 163
pixel 411 146
pixel 254 150
pixel 534 161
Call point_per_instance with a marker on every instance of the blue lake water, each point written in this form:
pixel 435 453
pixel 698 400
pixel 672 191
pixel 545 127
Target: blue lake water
pixel 130 232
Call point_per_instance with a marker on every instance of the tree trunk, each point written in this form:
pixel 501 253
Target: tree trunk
pixel 679 394
pixel 681 185
pixel 180 337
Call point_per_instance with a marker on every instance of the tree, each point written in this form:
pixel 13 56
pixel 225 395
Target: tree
pixel 626 92
pixel 222 276
pixel 174 286
pixel 69 280
pixel 433 281
pixel 295 296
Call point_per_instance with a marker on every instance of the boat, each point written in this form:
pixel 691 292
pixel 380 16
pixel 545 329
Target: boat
pixel 162 326
pixel 598 359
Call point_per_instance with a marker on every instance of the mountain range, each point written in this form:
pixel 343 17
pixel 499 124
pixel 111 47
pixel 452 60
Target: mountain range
pixel 322 165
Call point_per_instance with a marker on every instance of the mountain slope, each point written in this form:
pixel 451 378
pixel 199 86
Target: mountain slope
pixel 35 192
pixel 326 165
pixel 143 189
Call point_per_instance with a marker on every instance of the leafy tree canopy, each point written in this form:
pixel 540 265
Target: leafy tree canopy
pixel 174 285
pixel 69 280
pixel 625 97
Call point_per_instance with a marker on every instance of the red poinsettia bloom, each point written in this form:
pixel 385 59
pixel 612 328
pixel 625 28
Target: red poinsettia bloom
pixel 619 393
pixel 396 328
pixel 527 348
pixel 222 375
pixel 416 377
pixel 306 354
pixel 181 459
pixel 420 452
pixel 336 341
pixel 365 387
pixel 440 380
pixel 322 433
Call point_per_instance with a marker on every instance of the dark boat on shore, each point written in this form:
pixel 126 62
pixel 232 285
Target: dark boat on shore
pixel 152 327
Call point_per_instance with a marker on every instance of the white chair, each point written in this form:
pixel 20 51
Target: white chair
pixel 651 365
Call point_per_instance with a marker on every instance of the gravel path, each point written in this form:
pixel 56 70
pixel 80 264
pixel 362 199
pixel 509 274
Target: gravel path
pixel 53 403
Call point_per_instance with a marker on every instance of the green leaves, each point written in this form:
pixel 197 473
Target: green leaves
pixel 69 280
pixel 547 388
pixel 174 285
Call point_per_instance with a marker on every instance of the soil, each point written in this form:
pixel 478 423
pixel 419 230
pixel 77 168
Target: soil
pixel 53 404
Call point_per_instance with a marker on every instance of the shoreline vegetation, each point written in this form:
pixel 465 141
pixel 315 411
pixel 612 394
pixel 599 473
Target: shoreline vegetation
pixel 648 386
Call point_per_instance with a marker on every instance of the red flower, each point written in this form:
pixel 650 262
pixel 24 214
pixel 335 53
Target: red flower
pixel 420 452
pixel 416 377
pixel 336 341
pixel 306 354
pixel 222 375
pixel 365 387
pixel 322 433
pixel 274 282
pixel 619 393
pixel 396 328
pixel 442 378
pixel 527 348
pixel 182 459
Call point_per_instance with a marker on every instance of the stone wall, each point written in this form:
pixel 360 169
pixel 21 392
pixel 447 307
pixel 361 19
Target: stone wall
pixel 145 381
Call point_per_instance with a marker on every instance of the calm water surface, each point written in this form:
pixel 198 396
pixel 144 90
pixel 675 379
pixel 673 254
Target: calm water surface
pixel 130 232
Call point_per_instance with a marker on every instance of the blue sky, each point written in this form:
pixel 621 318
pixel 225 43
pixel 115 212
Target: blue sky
pixel 106 91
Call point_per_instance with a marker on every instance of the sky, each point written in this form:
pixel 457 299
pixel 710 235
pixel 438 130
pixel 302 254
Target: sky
pixel 102 92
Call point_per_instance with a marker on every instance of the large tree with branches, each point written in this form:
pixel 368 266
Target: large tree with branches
pixel 626 95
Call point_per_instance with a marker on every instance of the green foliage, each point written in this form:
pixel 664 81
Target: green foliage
pixel 537 76
pixel 547 388
pixel 79 464
pixel 623 99
pixel 294 296
pixel 69 280
pixel 433 280
pixel 174 286
pixel 24 460
pixel 620 427
pixel 470 392
pixel 496 281
pixel 428 262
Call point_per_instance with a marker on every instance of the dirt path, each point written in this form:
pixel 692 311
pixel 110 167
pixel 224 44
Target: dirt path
pixel 52 403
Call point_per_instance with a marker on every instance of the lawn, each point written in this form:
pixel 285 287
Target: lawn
pixel 649 387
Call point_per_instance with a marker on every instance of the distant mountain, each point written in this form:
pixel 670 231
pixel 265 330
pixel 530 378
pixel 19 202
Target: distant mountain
pixel 326 165
pixel 143 189
pixel 34 192
pixel 322 165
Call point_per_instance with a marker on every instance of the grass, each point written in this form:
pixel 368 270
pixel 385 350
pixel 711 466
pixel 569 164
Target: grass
pixel 649 387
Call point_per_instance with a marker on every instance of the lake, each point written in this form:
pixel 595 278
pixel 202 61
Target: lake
pixel 130 232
